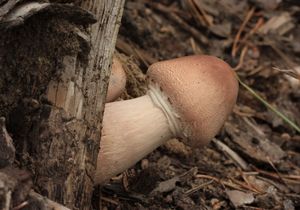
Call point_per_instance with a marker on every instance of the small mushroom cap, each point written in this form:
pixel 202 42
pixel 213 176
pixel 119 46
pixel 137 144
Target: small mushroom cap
pixel 117 81
pixel 202 90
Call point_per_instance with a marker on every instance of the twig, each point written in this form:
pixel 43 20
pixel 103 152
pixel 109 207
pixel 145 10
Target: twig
pixel 231 153
pixel 202 12
pixel 142 56
pixel 195 13
pixel 246 186
pixel 195 189
pixel 240 112
pixel 291 72
pixel 279 175
pixel 245 48
pixel 286 178
pixel 21 205
pixel 254 126
pixel 257 208
pixel 248 183
pixel 241 60
pixel 109 200
pixel 224 183
pixel 286 59
pixel 242 27
pixel 49 203
pixel 195 47
pixel 195 33
pixel 258 24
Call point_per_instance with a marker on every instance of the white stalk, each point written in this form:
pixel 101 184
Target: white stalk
pixel 131 130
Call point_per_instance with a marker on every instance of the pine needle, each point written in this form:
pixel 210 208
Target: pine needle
pixel 269 106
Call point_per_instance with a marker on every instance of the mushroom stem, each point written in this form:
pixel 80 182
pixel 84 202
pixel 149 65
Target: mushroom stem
pixel 131 130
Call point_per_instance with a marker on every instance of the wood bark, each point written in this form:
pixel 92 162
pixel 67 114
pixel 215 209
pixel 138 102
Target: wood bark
pixel 53 83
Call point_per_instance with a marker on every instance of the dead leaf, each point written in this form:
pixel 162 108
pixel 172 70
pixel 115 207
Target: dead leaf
pixel 239 198
pixel 166 186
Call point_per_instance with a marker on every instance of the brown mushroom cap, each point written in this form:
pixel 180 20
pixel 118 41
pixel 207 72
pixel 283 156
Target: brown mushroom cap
pixel 117 81
pixel 202 90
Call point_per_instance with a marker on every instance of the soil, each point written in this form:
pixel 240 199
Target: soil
pixel 254 162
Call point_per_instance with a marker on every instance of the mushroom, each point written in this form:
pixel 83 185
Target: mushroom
pixel 188 97
pixel 117 81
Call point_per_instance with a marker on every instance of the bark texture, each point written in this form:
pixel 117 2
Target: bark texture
pixel 54 73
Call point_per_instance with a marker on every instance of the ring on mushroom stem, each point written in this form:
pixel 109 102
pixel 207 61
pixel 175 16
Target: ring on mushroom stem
pixel 117 81
pixel 188 97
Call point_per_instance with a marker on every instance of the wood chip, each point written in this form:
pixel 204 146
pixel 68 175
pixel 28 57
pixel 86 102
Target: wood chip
pixel 280 24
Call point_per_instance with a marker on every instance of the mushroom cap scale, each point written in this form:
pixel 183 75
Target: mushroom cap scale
pixel 202 90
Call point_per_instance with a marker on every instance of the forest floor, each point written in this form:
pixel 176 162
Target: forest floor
pixel 254 162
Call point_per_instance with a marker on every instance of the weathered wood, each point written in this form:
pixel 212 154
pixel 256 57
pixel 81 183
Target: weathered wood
pixel 15 185
pixel 7 149
pixel 16 193
pixel 53 83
